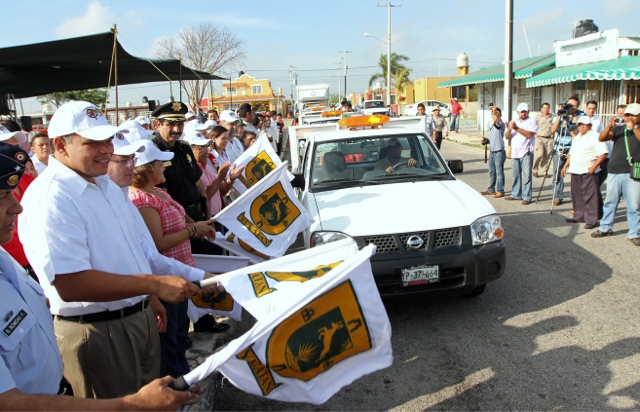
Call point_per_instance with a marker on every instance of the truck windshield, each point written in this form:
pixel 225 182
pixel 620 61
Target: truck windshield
pixel 373 104
pixel 376 160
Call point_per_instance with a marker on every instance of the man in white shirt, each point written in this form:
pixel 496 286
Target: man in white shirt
pixel 41 148
pixel 521 133
pixel 585 156
pixel 81 240
pixel 234 149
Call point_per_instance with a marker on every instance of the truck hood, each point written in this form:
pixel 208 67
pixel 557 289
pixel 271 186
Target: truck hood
pixel 400 207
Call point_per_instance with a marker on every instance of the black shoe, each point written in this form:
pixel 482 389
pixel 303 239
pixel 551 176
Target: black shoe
pixel 588 226
pixel 599 234
pixel 571 221
pixel 635 241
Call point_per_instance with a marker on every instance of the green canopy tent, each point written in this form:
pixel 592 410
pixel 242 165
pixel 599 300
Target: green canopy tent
pixel 624 68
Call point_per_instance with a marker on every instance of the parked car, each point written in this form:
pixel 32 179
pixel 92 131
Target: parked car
pixel 433 233
pixel 429 105
pixel 370 107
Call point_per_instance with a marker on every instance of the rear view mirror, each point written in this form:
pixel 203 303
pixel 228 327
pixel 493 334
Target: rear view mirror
pixel 456 166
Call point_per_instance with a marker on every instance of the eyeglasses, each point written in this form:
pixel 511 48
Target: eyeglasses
pixel 127 163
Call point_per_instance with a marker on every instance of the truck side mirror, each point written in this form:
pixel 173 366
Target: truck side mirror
pixel 456 166
pixel 298 180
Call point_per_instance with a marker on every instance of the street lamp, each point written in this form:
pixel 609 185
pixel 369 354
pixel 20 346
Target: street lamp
pixel 388 43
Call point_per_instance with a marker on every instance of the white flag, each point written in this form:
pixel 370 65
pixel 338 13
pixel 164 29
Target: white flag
pixel 258 161
pixel 325 333
pixel 233 244
pixel 268 216
pixel 221 303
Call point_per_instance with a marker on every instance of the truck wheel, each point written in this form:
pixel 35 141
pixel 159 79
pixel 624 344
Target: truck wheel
pixel 477 291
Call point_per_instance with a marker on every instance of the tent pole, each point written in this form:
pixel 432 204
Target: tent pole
pixel 115 70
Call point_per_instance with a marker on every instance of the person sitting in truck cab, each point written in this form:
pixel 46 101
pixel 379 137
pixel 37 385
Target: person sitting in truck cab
pixel 394 157
pixel 334 166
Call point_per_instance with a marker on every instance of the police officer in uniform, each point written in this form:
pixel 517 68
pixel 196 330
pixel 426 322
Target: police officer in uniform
pixel 182 175
pixel 30 363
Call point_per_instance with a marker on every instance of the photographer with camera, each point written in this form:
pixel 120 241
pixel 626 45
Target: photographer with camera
pixel 620 183
pixel 497 156
pixel 565 123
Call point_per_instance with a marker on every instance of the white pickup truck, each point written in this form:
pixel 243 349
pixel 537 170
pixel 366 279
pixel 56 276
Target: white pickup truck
pixel 384 182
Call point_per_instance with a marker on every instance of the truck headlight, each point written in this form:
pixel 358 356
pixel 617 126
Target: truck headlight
pixel 486 229
pixel 321 238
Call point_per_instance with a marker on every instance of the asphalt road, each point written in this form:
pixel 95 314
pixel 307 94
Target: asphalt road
pixel 560 329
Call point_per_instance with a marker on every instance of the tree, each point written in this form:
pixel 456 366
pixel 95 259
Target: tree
pixel 398 71
pixel 96 96
pixel 204 47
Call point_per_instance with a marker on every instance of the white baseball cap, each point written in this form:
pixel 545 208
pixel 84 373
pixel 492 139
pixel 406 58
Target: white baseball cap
pixel 632 109
pixel 228 116
pixel 196 138
pixel 189 115
pixel 143 120
pixel 122 146
pixel 135 131
pixel 5 134
pixel 82 118
pixel 151 153
pixel 584 120
pixel 522 107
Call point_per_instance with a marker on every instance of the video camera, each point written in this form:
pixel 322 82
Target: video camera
pixel 565 109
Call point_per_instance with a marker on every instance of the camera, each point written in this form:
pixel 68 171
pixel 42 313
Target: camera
pixel 565 109
pixel 619 120
pixel 485 141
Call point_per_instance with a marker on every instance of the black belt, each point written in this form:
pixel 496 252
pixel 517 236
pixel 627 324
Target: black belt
pixel 498 151
pixel 108 314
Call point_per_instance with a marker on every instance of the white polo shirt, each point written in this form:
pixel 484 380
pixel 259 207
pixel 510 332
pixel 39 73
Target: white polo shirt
pixel 585 149
pixel 70 225
pixel 29 356
pixel 521 145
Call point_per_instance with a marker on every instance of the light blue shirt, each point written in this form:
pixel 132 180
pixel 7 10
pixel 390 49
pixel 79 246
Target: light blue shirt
pixel 30 357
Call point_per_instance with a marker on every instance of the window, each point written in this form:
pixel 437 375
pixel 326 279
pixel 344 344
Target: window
pixel 232 91
pixel 536 101
pixel 256 89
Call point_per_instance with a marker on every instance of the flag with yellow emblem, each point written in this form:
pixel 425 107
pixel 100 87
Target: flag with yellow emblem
pixel 323 334
pixel 268 216
pixel 258 161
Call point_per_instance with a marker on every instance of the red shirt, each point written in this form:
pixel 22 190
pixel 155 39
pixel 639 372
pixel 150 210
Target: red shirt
pixel 455 107
pixel 14 246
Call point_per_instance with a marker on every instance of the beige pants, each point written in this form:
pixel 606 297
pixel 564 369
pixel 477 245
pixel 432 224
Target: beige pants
pixel 542 154
pixel 111 358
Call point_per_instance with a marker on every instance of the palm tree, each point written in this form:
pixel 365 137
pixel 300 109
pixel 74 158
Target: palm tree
pixel 398 71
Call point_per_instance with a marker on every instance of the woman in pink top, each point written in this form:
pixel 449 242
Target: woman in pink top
pixel 171 230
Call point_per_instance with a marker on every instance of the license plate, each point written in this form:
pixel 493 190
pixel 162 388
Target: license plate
pixel 420 275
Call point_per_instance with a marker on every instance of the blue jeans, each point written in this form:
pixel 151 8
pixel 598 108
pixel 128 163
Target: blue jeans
pixel 522 169
pixel 455 122
pixel 621 184
pixel 557 169
pixel 496 171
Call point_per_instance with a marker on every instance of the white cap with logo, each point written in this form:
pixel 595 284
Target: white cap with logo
pixel 196 138
pixel 5 134
pixel 151 153
pixel 522 107
pixel 82 118
pixel 228 116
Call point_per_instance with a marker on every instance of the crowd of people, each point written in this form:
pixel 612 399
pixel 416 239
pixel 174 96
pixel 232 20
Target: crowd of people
pixel 572 142
pixel 113 326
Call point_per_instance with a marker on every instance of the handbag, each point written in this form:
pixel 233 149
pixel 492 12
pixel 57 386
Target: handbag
pixel 635 166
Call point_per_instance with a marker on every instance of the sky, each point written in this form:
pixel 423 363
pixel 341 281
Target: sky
pixel 311 36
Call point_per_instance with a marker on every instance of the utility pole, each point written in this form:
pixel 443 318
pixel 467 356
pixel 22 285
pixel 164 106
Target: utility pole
pixel 508 57
pixel 388 6
pixel 339 82
pixel 344 52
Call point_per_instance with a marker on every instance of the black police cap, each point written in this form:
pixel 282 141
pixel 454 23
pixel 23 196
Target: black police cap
pixel 12 161
pixel 171 112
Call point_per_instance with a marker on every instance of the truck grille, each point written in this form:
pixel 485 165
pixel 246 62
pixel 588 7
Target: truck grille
pixel 392 243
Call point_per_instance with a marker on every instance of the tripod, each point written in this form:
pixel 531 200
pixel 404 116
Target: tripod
pixel 559 147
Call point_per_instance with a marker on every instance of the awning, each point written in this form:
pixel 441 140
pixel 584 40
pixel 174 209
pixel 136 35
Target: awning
pixel 624 68
pixel 81 63
pixel 522 69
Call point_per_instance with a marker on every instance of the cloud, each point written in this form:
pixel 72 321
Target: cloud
pixel 96 19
